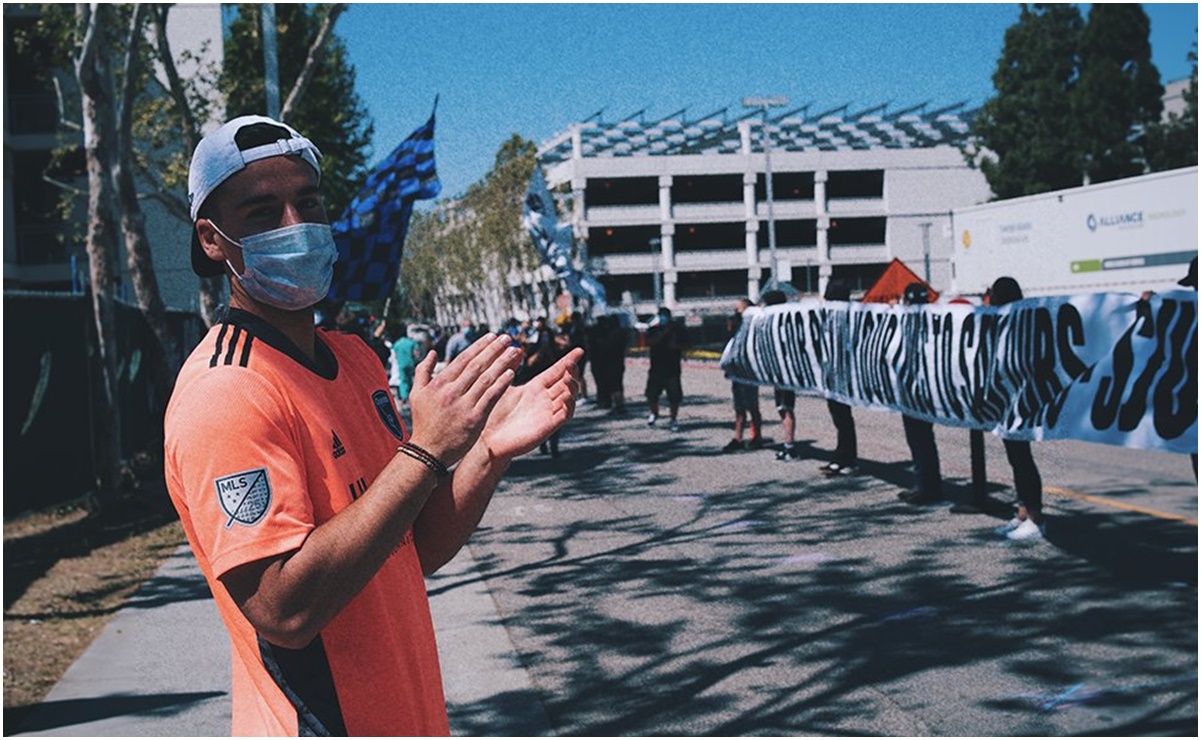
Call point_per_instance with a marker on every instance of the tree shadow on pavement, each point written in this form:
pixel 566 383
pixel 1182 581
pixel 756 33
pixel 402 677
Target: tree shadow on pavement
pixel 822 607
pixel 26 559
pixel 59 714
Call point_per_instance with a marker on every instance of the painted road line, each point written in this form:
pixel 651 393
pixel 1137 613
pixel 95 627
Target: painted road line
pixel 1119 504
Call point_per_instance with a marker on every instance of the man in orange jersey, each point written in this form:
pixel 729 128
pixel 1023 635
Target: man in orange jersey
pixel 312 511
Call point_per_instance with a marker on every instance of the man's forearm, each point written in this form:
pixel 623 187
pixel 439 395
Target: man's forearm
pixel 290 598
pixel 456 506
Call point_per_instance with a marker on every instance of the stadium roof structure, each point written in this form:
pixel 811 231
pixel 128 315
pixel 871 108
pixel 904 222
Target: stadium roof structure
pixel 797 130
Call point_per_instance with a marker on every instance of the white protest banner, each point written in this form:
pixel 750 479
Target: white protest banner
pixel 1106 367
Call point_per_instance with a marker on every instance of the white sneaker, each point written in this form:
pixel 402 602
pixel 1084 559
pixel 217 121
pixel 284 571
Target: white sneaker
pixel 650 420
pixel 1007 527
pixel 1027 531
pixel 675 425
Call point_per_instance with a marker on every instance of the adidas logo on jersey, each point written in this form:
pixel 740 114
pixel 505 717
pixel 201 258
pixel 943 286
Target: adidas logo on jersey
pixel 339 449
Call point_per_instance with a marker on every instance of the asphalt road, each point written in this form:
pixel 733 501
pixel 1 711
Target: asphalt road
pixel 651 585
pixel 645 584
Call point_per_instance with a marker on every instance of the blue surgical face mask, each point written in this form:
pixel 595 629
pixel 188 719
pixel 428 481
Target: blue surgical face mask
pixel 290 268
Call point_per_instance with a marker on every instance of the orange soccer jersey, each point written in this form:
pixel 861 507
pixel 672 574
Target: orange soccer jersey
pixel 263 445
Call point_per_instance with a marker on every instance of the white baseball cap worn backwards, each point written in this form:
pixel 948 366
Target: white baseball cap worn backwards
pixel 223 153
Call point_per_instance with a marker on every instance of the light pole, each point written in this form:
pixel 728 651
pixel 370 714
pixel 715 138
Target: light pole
pixel 925 227
pixel 766 103
pixel 655 259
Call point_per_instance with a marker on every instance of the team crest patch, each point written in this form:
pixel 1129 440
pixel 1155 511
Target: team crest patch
pixel 244 497
pixel 387 413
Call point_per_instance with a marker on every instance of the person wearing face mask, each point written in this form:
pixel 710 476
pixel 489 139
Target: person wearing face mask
pixel 312 510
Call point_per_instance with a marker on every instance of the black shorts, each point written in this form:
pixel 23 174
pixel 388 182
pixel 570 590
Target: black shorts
pixel 746 397
pixel 785 400
pixel 658 382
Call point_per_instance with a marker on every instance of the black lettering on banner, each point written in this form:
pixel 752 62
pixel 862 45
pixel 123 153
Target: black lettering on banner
pixel 778 350
pixel 741 359
pixel 1069 333
pixel 888 332
pixel 904 360
pixel 813 351
pixel 938 403
pixel 1046 376
pixel 792 344
pixel 970 390
pixel 924 391
pixel 1007 377
pixel 843 341
pixel 991 400
pixel 1110 388
pixel 1175 402
pixel 1135 406
pixel 945 376
pixel 859 322
pixel 1014 369
pixel 816 328
pixel 809 373
pixel 765 354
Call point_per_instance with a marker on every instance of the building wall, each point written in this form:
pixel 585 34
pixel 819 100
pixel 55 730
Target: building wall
pixel 1173 97
pixel 920 187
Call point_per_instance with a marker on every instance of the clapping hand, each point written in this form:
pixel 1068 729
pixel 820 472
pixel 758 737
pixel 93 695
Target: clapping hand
pixel 527 414
pixel 450 409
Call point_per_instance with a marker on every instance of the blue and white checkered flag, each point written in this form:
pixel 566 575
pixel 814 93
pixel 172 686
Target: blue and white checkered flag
pixel 370 233
pixel 553 241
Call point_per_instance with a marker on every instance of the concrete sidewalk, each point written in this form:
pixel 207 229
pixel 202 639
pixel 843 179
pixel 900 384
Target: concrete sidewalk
pixel 161 666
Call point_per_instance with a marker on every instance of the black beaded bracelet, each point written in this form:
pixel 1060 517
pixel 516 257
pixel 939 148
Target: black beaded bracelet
pixel 424 456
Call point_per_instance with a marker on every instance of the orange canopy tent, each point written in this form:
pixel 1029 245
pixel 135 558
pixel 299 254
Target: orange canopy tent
pixel 891 285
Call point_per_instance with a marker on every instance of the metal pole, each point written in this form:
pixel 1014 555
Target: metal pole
pixel 771 216
pixel 926 246
pixel 656 258
pixel 764 104
pixel 270 61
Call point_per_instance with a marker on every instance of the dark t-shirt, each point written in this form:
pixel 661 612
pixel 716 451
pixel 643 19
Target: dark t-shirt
pixel 666 346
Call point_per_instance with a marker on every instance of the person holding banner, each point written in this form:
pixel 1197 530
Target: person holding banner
pixel 919 434
pixel 1027 525
pixel 313 513
pixel 746 395
pixel 846 452
pixel 785 398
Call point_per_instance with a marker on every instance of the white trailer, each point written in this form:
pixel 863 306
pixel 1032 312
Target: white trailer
pixel 1124 236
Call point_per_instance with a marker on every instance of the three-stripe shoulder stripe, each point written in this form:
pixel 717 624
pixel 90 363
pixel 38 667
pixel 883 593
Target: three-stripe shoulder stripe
pixel 236 349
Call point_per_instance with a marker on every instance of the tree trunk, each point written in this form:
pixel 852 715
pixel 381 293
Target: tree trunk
pixel 93 69
pixel 164 355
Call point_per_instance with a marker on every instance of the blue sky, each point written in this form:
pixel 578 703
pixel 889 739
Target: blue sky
pixel 535 69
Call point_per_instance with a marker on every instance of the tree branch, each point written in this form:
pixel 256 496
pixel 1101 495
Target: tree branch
pixel 130 69
pixel 85 30
pixel 174 84
pixel 310 63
